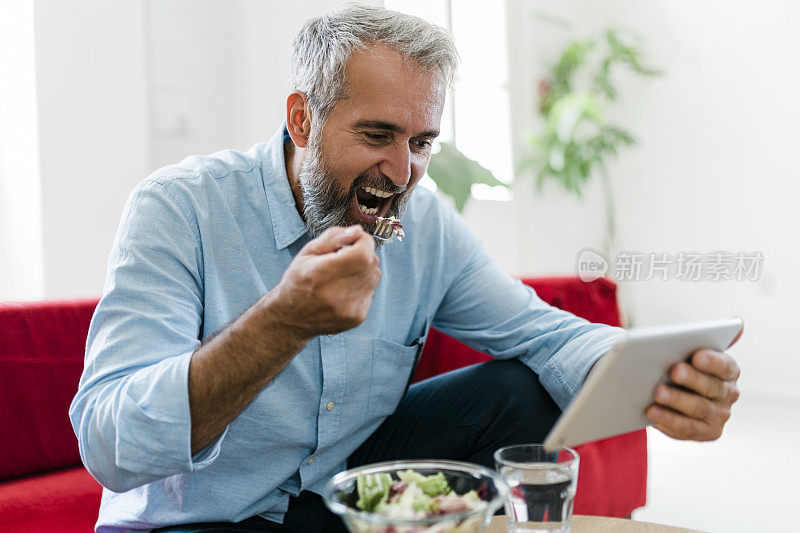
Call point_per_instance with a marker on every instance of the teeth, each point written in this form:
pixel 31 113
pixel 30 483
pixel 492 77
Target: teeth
pixel 377 192
pixel 368 210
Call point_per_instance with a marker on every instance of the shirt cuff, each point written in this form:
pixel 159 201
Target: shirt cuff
pixel 564 374
pixel 154 421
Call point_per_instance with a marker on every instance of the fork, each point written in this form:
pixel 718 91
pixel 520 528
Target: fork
pixel 387 228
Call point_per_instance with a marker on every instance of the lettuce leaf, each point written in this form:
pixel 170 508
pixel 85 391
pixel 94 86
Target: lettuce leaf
pixel 373 489
pixel 431 485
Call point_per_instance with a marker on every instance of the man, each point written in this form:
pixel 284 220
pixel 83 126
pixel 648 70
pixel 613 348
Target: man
pixel 253 339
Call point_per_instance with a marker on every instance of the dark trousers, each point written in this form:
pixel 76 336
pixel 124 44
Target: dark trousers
pixel 464 415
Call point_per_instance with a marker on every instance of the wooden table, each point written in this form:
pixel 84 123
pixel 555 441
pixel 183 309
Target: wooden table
pixel 599 524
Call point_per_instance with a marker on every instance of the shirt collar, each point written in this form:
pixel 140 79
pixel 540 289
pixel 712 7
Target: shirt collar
pixel 287 224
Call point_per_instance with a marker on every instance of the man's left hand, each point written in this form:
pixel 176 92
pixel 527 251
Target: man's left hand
pixel 700 406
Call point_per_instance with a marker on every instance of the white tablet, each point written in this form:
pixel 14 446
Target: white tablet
pixel 620 387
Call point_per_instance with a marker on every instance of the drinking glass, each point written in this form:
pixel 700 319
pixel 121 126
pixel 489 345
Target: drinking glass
pixel 542 484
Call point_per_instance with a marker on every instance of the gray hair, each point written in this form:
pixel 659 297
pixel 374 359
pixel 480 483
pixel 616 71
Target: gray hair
pixel 324 45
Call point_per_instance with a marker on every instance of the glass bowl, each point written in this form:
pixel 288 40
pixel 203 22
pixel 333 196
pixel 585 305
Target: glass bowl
pixel 340 497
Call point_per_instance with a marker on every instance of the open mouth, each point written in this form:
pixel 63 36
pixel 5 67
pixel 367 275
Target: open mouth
pixel 372 203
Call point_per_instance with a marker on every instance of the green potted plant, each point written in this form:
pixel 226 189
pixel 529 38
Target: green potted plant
pixel 576 140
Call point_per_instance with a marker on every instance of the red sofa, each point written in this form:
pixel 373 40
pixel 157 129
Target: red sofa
pixel 44 488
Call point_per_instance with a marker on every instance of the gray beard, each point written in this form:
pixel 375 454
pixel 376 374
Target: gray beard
pixel 325 204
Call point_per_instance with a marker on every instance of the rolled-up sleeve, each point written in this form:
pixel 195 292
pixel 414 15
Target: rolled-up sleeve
pixel 492 312
pixel 131 412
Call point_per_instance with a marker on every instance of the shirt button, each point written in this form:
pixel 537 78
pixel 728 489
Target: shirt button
pixel 310 460
pixel 329 407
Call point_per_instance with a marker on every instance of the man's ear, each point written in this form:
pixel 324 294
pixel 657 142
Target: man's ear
pixel 298 118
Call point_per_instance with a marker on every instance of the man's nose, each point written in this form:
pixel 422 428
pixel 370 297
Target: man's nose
pixel 398 165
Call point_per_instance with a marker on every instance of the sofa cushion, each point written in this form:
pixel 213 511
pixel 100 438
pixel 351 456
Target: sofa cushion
pixel 65 501
pixel 41 359
pixel 612 475
pixel 596 301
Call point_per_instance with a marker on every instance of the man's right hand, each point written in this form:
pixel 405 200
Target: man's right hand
pixel 329 285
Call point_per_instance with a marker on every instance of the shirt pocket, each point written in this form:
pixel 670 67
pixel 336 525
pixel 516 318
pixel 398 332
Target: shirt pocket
pixel 391 370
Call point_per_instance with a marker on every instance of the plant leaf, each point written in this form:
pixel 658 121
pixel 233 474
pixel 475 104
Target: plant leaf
pixel 455 173
pixel 570 110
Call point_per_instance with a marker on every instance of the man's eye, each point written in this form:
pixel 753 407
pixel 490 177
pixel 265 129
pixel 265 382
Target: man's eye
pixel 375 137
pixel 423 144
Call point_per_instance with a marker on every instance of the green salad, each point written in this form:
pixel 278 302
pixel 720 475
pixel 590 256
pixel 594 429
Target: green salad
pixel 413 496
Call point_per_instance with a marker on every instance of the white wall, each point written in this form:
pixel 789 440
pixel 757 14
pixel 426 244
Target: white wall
pixel 20 192
pixel 90 60
pixel 714 170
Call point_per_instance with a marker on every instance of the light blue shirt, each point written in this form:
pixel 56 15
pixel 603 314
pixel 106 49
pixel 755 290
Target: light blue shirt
pixel 200 242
